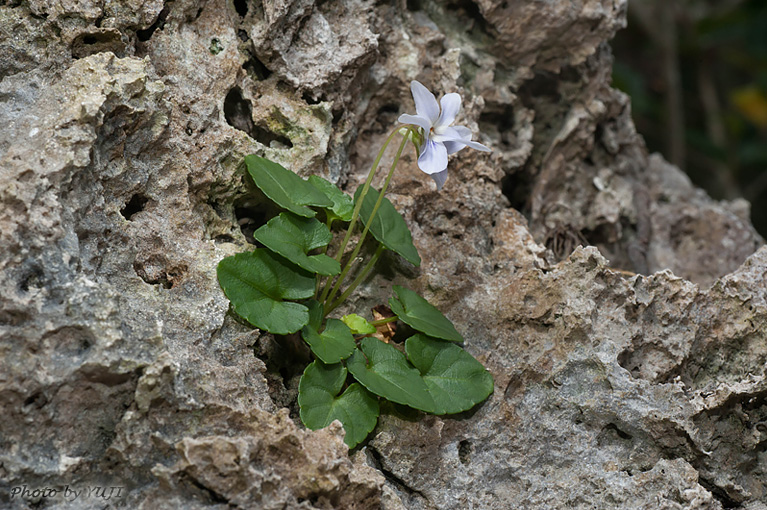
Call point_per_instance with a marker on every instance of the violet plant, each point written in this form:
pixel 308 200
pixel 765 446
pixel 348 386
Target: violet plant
pixel 292 285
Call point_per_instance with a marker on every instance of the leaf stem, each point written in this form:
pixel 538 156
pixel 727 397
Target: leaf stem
pixel 381 322
pixel 329 224
pixel 359 279
pixel 377 205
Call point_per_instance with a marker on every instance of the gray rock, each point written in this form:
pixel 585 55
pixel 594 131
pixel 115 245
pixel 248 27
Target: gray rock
pixel 629 373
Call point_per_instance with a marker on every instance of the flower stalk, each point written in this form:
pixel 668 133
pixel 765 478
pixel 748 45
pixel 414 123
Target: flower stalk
pixel 356 212
pixel 434 137
pixel 329 299
pixel 359 279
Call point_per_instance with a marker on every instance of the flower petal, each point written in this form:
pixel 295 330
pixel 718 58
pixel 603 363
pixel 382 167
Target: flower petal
pixel 463 132
pixel 425 103
pixel 433 158
pixel 415 119
pixel 453 147
pixel 478 146
pixel 440 178
pixel 451 103
pixel 459 134
pixel 456 133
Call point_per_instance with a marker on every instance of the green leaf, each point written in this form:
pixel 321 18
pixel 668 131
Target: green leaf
pixel 256 283
pixel 343 207
pixel 316 313
pixel 456 381
pixel 356 409
pixel 294 237
pixel 388 226
pixel 334 344
pixel 385 371
pixel 358 325
pixel 421 315
pixel 284 187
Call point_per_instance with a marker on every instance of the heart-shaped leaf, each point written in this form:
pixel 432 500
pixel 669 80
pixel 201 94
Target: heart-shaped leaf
pixel 456 380
pixel 334 344
pixel 343 207
pixel 356 409
pixel 385 371
pixel 316 313
pixel 388 226
pixel 284 187
pixel 256 283
pixel 421 315
pixel 358 325
pixel 294 237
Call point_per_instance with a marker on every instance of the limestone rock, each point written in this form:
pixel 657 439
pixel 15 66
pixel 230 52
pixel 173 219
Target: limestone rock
pixel 621 311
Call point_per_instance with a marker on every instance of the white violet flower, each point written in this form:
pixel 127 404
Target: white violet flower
pixel 438 138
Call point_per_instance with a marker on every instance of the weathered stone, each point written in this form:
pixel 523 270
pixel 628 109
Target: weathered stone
pixel 277 466
pixel 628 374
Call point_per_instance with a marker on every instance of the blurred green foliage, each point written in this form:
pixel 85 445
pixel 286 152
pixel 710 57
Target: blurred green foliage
pixel 720 59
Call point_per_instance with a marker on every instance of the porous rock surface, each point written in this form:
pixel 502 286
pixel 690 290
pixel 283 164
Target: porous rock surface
pixel 621 311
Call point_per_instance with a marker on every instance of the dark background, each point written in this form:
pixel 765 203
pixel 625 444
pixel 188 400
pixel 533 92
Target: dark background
pixel 697 74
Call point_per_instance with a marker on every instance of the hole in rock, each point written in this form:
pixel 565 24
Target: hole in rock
pixel 468 10
pixel 543 84
pixel 414 5
pixel 311 498
pixel 338 114
pixel 389 108
pixel 499 124
pixel 160 280
pixel 36 400
pixel 604 233
pixel 223 238
pixel 13 317
pixel 155 270
pixel 649 361
pixel 238 111
pixel 285 357
pixel 90 43
pixel 630 362
pixel 239 114
pixel 70 341
pixel 254 67
pixel 33 277
pixel 614 429
pixel 147 33
pixel 719 494
pixel 570 74
pixel 199 491
pixel 241 6
pixel 464 451
pixel 250 217
pixel 105 436
pixel 135 205
pixel 388 113
pixel 104 375
pixel 310 98
pixel 518 187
